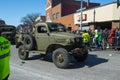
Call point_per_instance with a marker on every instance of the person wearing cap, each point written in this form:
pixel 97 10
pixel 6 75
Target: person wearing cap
pixel 4 58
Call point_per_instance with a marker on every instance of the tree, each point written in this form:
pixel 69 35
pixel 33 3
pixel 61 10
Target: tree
pixel 2 22
pixel 29 19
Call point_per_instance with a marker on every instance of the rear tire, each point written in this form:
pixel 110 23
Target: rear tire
pixel 61 58
pixel 29 42
pixel 22 54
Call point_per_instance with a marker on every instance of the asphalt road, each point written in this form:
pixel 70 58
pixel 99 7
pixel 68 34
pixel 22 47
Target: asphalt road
pixel 100 65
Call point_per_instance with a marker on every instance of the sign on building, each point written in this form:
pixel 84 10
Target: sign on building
pixel 77 18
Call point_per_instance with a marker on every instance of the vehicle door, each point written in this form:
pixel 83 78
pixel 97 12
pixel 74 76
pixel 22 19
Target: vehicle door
pixel 42 37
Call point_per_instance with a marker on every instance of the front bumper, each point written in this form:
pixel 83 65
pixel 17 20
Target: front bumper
pixel 76 49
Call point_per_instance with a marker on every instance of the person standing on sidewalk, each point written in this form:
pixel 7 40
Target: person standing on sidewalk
pixel 111 38
pixel 86 39
pixel 4 58
pixel 105 37
pixel 100 40
pixel 96 38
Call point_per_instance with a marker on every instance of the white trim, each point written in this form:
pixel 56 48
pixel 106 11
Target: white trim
pixel 48 7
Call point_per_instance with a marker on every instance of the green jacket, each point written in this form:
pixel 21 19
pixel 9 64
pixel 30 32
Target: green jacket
pixel 4 57
pixel 99 37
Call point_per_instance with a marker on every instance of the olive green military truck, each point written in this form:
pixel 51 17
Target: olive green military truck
pixel 8 31
pixel 52 38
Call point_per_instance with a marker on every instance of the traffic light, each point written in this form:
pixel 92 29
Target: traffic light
pixel 118 3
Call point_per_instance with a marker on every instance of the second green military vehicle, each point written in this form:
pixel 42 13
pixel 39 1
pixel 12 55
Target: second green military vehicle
pixel 9 32
pixel 52 38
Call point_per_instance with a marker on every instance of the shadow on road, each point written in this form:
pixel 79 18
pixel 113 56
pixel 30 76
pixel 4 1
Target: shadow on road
pixel 34 57
pixel 41 57
pixel 91 61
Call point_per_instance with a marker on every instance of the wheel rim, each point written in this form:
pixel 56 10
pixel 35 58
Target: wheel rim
pixel 28 41
pixel 22 52
pixel 60 58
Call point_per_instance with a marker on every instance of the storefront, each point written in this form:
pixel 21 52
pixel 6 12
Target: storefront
pixel 106 16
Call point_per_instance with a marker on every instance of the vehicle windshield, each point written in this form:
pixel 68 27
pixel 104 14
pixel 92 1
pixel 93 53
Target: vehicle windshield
pixel 56 27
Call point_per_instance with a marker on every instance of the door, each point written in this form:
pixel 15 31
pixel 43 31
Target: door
pixel 42 37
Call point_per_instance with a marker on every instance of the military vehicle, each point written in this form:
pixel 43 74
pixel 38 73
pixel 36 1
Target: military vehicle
pixel 8 31
pixel 49 37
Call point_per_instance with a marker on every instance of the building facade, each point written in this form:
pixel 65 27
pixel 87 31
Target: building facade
pixel 62 11
pixel 106 16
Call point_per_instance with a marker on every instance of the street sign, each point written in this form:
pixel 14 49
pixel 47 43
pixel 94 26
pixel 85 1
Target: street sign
pixel 81 9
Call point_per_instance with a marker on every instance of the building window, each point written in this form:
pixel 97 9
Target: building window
pixel 56 16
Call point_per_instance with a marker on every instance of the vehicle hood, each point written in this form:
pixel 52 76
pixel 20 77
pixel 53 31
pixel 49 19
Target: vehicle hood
pixel 64 38
pixel 65 35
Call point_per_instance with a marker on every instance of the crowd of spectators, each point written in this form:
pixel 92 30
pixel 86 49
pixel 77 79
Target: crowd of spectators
pixel 101 39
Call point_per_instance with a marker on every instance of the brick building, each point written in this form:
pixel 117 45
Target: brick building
pixel 62 11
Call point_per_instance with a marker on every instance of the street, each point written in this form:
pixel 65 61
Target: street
pixel 100 65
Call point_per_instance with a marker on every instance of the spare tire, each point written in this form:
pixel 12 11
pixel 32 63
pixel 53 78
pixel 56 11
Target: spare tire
pixel 29 42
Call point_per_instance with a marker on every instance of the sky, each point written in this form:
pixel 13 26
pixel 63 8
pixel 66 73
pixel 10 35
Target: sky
pixel 12 11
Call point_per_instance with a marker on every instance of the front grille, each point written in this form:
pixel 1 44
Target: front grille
pixel 78 43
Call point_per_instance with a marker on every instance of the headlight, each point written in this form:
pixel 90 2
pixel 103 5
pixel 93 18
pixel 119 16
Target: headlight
pixel 69 41
pixel 77 40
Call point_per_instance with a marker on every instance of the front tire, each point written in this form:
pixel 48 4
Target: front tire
pixel 61 58
pixel 83 56
pixel 22 53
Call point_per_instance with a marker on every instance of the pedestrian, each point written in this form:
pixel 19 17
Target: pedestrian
pixel 116 37
pixel 4 58
pixel 105 34
pixel 100 40
pixel 96 38
pixel 110 37
pixel 86 39
pixel 119 38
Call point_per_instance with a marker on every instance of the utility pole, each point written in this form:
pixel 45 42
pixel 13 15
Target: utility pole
pixel 119 22
pixel 81 15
